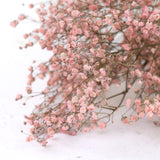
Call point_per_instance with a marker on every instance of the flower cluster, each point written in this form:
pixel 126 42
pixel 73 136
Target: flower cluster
pixel 87 58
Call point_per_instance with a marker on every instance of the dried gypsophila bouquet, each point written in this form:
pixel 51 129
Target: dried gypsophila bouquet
pixel 87 59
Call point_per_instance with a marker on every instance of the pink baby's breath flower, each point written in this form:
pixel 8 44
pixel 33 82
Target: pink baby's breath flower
pixel 72 133
pixel 21 17
pixel 150 114
pixel 93 94
pixel 30 138
pixel 69 1
pixel 133 118
pixel 69 119
pixel 86 67
pixel 43 143
pixel 40 76
pixel 14 23
pixel 75 13
pixel 47 118
pixel 53 119
pixel 135 23
pixel 18 97
pixel 80 116
pixel 86 130
pixel 141 114
pixel 91 107
pixel 89 90
pixel 125 120
pixel 141 24
pixel 48 123
pixel 157 17
pixel 83 110
pixel 126 47
pixel 93 127
pixel 145 12
pixel 108 2
pixel 94 116
pixel 103 72
pixel 108 20
pixel 145 33
pixel 30 5
pixel 102 125
pixel 50 131
pixel 99 22
pixel 134 4
pixel 146 102
pixel 36 123
pixel 128 102
pixel 138 102
pixel 138 73
pixel 92 7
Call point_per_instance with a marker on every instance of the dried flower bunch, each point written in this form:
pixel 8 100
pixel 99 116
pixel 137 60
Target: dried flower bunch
pixel 88 58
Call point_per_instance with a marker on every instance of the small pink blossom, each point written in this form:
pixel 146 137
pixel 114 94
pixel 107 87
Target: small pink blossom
pixel 108 20
pixel 30 5
pixel 94 116
pixel 48 123
pixel 14 23
pixel 134 4
pixel 138 102
pixel 93 94
pixel 91 107
pixel 156 17
pixel 25 36
pixel 126 47
pixel 21 17
pixel 133 118
pixel 103 72
pixel 69 1
pixel 75 13
pixel 72 133
pixel 30 138
pixel 36 123
pixel 108 2
pixel 86 130
pixel 65 128
pixel 28 90
pixel 128 102
pixel 102 125
pixel 141 114
pixel 69 119
pixel 125 120
pixel 92 7
pixel 93 127
pixel 150 114
pixel 146 102
pixel 40 76
pixel 87 67
pixel 89 90
pixel 83 110
pixel 43 143
pixel 51 131
pixel 99 22
pixel 53 119
pixel 71 107
pixel 80 116
pixel 138 73
pixel 141 24
pixel 18 97
pixel 145 12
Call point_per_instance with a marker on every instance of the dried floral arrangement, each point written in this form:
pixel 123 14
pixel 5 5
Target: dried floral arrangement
pixel 88 58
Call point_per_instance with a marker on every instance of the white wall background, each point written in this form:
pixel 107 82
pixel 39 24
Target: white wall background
pixel 117 142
